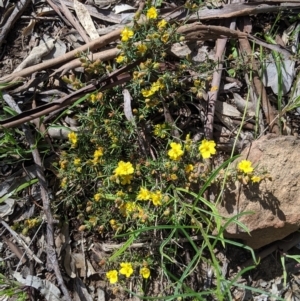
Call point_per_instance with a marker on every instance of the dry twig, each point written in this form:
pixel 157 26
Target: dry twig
pixel 259 87
pixel 14 16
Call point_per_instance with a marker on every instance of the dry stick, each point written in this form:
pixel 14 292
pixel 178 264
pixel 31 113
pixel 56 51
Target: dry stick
pixel 206 32
pixel 15 249
pixel 194 31
pixel 56 9
pixel 259 87
pixel 240 9
pixel 52 258
pixel 20 241
pixel 213 94
pixel 117 77
pixel 18 10
pixel 95 44
pixel 74 22
pixel 102 56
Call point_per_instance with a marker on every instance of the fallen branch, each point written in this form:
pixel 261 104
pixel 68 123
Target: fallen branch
pixel 115 78
pixel 241 9
pixel 215 85
pixel 93 45
pixel 195 31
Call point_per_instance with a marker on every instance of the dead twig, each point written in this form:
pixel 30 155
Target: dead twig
pixel 242 9
pixel 115 78
pixel 15 249
pixel 74 22
pixel 245 47
pixel 91 46
pixel 103 56
pixel 56 9
pixel 15 15
pixel 20 241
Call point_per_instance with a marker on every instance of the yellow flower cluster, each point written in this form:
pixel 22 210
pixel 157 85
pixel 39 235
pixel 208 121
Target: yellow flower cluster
pixel 77 163
pixel 129 207
pixel 176 152
pixel 160 130
pixel 31 223
pixel 245 166
pixel 146 195
pixel 73 138
pixel 121 58
pixel 189 168
pixel 156 86
pixel 63 164
pixel 95 97
pixel 124 171
pixel 97 155
pixel 126 269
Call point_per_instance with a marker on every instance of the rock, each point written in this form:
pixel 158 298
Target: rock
pixel 276 202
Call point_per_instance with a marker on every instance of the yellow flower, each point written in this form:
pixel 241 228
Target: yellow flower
pixel 152 13
pixel 126 34
pixel 176 152
pixel 126 269
pixel 93 98
pixel 159 130
pixel 142 48
pixel 112 222
pixel 145 272
pixel 188 142
pixel 156 198
pixel 147 93
pixel 189 168
pixel 112 276
pixel 63 164
pixel 214 88
pixel 31 223
pixel 245 166
pixel 124 169
pixel 64 182
pixel 162 24
pixel 173 177
pixel 165 38
pixel 98 152
pixel 97 197
pixel 128 207
pixel 120 193
pixel 126 179
pixel 73 138
pixel 255 179
pixel 93 220
pixel 144 194
pixel 207 148
pixel 158 85
pixel 77 161
pixel 121 58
